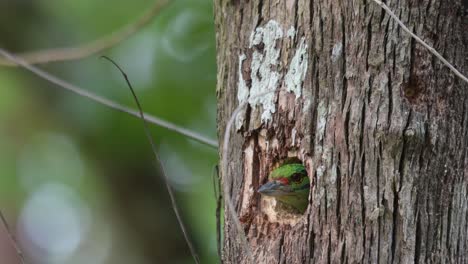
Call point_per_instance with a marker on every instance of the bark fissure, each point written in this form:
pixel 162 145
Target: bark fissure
pixel 394 240
pixel 379 198
pixel 417 246
pixel 280 255
pixel 345 87
pixel 363 174
pixel 329 249
pixel 338 195
pixel 390 101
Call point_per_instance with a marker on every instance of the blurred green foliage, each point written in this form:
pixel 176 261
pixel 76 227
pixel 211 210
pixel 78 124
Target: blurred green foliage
pixel 50 136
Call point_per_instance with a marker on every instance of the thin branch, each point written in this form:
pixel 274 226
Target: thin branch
pixel 106 102
pixel 160 165
pixel 418 39
pixel 96 46
pixel 12 237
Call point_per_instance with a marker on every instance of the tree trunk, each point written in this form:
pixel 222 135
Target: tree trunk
pixel 379 122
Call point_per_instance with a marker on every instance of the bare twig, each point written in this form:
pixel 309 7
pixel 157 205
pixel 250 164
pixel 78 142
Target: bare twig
pixel 12 237
pixel 418 39
pixel 96 46
pixel 160 165
pixel 106 102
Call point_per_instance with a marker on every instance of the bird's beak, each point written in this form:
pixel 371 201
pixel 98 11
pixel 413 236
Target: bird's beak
pixel 274 188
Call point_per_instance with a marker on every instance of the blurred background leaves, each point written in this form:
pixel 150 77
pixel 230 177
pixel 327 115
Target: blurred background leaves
pixel 77 181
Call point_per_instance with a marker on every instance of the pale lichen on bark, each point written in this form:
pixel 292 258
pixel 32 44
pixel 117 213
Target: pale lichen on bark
pixel 291 33
pixel 337 51
pixel 265 74
pixel 242 93
pixel 297 70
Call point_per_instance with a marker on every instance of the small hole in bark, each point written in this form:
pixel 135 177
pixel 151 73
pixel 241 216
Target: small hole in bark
pixel 413 89
pixel 285 192
pixel 260 47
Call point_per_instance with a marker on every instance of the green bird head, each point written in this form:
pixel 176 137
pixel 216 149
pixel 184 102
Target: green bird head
pixel 289 184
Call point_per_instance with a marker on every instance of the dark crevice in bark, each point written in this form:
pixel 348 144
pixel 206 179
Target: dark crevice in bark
pixel 329 249
pixel 465 125
pixel 437 22
pixel 377 172
pixel 457 252
pixel 332 31
pixel 308 234
pixel 398 14
pixel 311 17
pixel 296 8
pixel 449 220
pixel 338 193
pixel 343 252
pixel 401 165
pixel 369 92
pixel 280 251
pixel 394 222
pixel 363 175
pixel 315 176
pixel 417 246
pixel 326 204
pixel 409 8
pixel 428 226
pixel 366 4
pixel 397 189
pixel 371 245
pixel 466 230
pixel 241 50
pixel 312 244
pixel 315 96
pixel 361 135
pixel 346 127
pixel 390 101
pixel 363 205
pixel 385 40
pixel 248 114
pixel 428 7
pixel 369 40
pixel 411 63
pixel 260 13
pixel 382 16
pixel 439 227
pixel 353 161
pixel 321 27
pixel 345 80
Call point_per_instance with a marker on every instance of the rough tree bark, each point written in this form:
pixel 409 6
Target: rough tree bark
pixel 381 125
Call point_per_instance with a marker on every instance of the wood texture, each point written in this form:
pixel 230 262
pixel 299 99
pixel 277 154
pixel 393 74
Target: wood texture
pixel 381 125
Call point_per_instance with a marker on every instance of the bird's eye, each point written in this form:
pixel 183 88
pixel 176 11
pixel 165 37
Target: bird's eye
pixel 296 177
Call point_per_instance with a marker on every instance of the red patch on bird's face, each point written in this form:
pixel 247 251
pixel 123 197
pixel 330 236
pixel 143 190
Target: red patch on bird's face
pixel 284 181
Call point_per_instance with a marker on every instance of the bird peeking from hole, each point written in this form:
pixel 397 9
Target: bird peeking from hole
pixel 290 185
